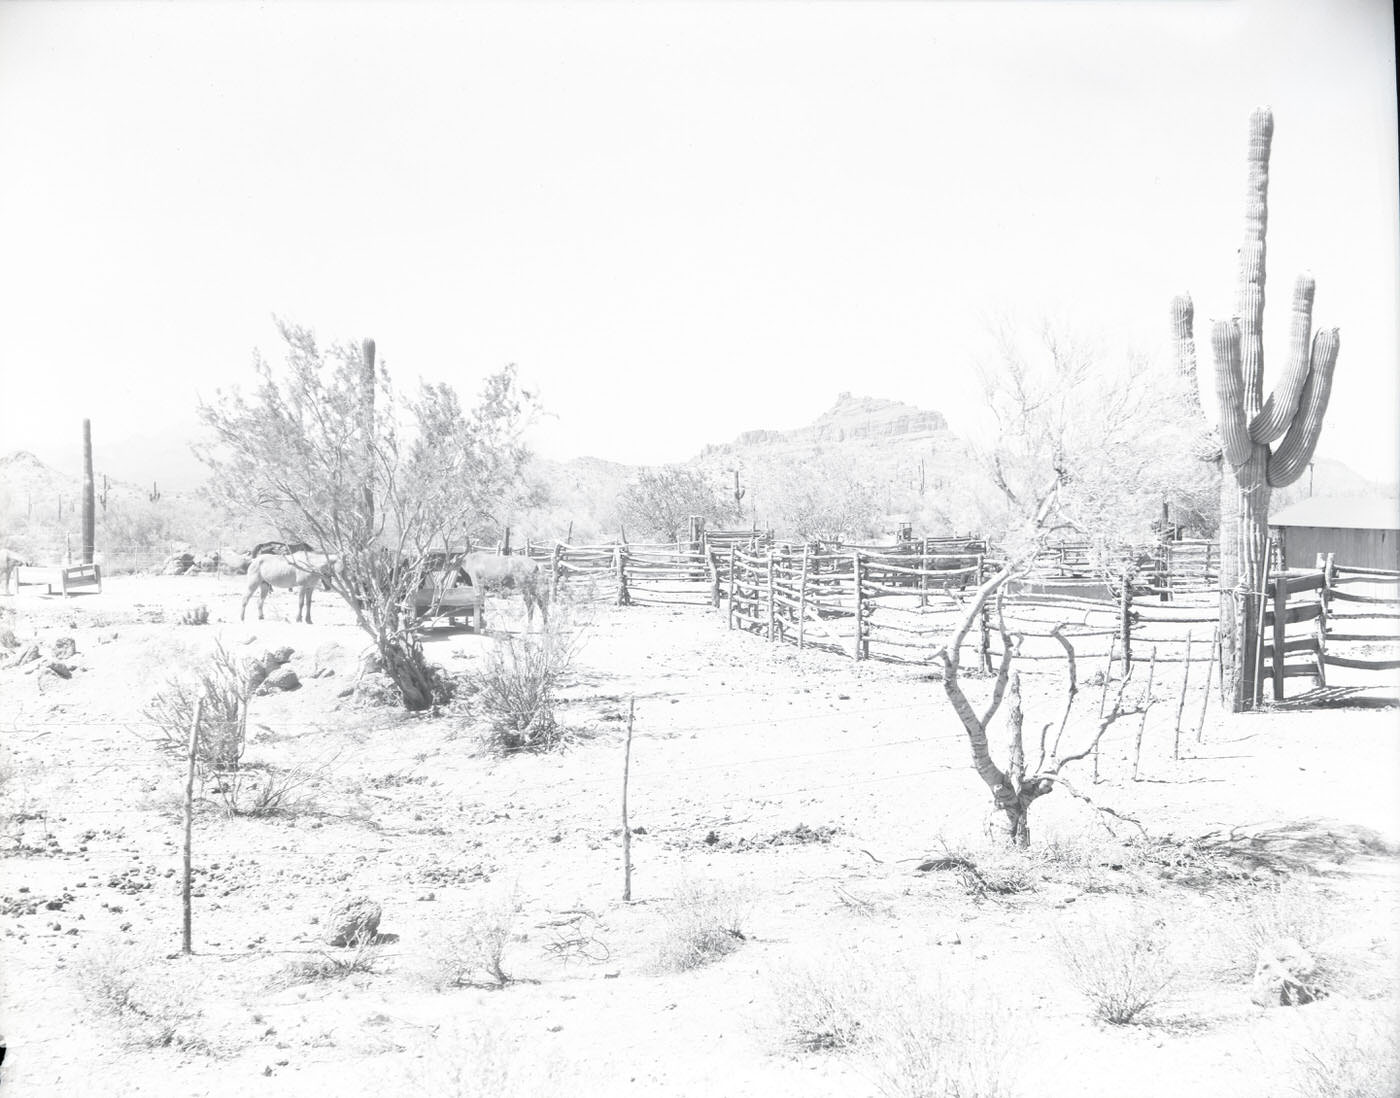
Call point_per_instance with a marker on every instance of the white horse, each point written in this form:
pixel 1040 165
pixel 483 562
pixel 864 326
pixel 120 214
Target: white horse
pixel 299 571
pixel 493 571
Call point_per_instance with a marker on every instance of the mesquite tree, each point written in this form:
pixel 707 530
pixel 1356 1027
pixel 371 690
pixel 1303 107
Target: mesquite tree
pixel 1291 416
pixel 1083 445
pixel 388 493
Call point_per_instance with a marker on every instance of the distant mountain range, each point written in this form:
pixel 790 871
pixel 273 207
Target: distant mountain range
pixel 908 453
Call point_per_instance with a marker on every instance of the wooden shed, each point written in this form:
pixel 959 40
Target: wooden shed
pixel 1359 531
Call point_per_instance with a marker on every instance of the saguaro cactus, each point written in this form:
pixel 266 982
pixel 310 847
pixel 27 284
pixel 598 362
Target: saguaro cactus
pixel 1249 423
pixel 89 497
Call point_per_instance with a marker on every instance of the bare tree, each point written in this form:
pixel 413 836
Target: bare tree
pixel 388 489
pixel 1081 446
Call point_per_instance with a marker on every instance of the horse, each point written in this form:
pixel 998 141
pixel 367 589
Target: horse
pixel 11 562
pixel 301 571
pixel 489 571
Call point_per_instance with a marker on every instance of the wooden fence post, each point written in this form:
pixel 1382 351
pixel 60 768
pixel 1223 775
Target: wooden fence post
pixel 1324 601
pixel 624 598
pixel 731 585
pixel 1146 705
pixel 627 830
pixel 802 599
pixel 1181 702
pixel 555 566
pixel 1125 624
pixel 1260 610
pixel 860 606
pixel 1280 632
pixel 770 594
pixel 186 935
pixel 923 574
pixel 1212 654
pixel 984 621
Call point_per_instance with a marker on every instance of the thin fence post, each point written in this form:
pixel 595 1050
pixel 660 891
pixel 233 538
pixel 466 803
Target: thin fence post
pixel 771 603
pixel 1125 625
pixel 1181 701
pixel 1324 600
pixel 186 934
pixel 923 573
pixel 626 829
pixel 731 585
pixel 1103 699
pixel 984 621
pixel 860 619
pixel 802 599
pixel 624 597
pixel 1146 705
pixel 1212 655
pixel 1280 632
pixel 1261 610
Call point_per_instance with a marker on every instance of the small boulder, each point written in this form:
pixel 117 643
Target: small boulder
pixel 8 638
pixel 1283 975
pixel 284 678
pixel 352 922
pixel 64 648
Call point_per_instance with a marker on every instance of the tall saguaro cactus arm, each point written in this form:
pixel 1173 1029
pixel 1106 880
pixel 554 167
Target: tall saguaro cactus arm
pixel 1230 389
pixel 1287 462
pixel 1278 410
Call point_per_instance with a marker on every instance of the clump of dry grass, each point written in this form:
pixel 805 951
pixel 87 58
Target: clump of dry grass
pixel 1346 960
pixel 483 1063
pixel 1353 1052
pixel 945 1042
pixel 154 1005
pixel 1122 962
pixel 701 924
pixel 473 954
pixel 360 959
pixel 195 615
pixel 834 1002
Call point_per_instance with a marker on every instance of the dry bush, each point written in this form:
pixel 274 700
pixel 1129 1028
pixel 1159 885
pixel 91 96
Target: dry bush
pixel 701 924
pixel 1297 908
pixel 360 959
pixel 945 1042
pixel 835 1002
pixel 1122 963
pixel 474 954
pixel 483 1063
pixel 1352 1052
pixel 222 682
pixel 515 691
pixel 196 615
pixel 265 792
pixel 156 1007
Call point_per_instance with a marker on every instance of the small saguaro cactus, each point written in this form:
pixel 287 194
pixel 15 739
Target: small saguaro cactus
pixel 738 492
pixel 1291 417
pixel 154 494
pixel 89 504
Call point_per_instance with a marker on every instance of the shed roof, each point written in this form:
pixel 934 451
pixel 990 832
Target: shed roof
pixel 1342 513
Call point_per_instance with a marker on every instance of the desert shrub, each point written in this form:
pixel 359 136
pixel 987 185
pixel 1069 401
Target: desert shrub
pixel 195 615
pixel 1122 963
pixel 1304 911
pixel 701 924
pixel 359 959
pixel 944 1042
pixel 515 691
pixel 833 1003
pixel 473 955
pixel 483 1063
pixel 222 682
pixel 135 988
pixel 264 791
pixel 1350 1053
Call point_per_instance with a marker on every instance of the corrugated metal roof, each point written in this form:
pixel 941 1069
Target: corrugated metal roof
pixel 1341 513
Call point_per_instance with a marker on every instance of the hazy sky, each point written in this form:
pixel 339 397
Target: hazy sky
pixel 680 220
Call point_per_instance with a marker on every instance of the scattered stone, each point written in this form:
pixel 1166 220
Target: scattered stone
pixel 352 922
pixel 282 679
pixel 64 648
pixel 8 638
pixel 1283 975
pixel 61 669
pixel 29 655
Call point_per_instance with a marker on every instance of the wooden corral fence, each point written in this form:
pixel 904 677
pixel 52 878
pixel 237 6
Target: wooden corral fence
pixel 1343 617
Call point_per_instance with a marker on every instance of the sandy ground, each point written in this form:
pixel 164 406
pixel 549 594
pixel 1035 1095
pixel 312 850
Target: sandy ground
pixel 737 743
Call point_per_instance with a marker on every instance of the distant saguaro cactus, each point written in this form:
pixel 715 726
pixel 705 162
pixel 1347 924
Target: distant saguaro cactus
pixel 89 497
pixel 1249 423
pixel 154 494
pixel 738 492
